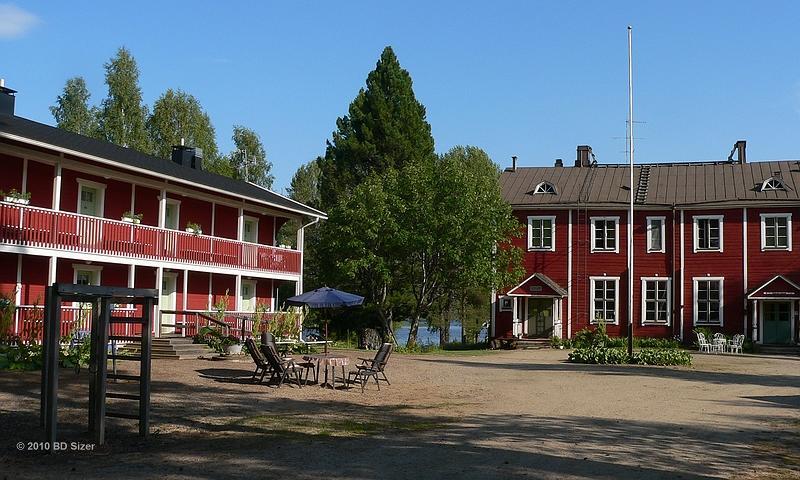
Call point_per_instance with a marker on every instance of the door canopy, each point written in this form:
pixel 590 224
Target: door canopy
pixel 778 288
pixel 538 285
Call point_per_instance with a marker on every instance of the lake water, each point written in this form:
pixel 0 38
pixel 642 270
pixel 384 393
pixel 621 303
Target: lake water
pixel 427 337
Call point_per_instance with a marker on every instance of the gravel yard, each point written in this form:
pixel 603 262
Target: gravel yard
pixel 455 415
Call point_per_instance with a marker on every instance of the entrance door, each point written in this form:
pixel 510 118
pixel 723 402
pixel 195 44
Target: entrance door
pixel 540 317
pixel 777 322
pixel 168 301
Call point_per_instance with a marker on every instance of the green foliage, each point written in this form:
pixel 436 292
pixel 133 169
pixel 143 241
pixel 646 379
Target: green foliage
pixel 221 306
pixel 658 356
pixel 249 159
pixel 215 339
pixel 597 354
pixel 385 129
pixel 21 357
pixel 13 193
pixel 659 343
pixel 8 308
pixel 303 188
pixel 75 354
pixel 178 115
pixel 122 115
pixel 709 334
pixel 72 111
pixel 285 324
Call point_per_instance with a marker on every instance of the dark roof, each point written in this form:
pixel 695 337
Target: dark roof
pixel 679 184
pixel 82 145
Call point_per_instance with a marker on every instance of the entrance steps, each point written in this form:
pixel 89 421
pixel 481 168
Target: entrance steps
pixel 792 350
pixel 170 346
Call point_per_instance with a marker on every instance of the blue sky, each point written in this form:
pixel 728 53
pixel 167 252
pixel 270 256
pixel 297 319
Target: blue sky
pixel 532 79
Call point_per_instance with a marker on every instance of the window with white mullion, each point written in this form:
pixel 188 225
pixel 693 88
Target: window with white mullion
pixel 605 231
pixel 656 303
pixel 776 231
pixel 708 301
pixel 604 300
pixel 708 233
pixel 541 233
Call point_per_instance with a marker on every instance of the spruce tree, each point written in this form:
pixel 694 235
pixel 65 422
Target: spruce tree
pixel 122 114
pixel 72 111
pixel 385 129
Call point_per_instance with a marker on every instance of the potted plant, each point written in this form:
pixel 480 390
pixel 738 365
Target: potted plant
pixel 134 218
pixel 231 345
pixel 21 198
pixel 194 228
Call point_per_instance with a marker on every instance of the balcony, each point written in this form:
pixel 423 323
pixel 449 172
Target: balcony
pixel 33 227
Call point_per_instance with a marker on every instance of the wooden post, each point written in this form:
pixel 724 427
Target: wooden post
pixel 144 365
pixel 53 320
pixel 94 367
pixel 45 371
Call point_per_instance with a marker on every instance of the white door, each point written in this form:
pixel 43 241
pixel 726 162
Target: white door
pixel 168 301
pixel 248 295
pixel 89 201
pixel 250 233
pixel 171 213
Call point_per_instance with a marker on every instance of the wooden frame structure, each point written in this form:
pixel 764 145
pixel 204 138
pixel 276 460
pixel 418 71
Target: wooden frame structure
pixel 101 299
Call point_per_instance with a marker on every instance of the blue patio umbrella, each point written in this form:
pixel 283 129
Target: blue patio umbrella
pixel 325 297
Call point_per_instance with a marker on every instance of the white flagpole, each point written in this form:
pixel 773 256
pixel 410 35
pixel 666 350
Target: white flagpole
pixel 630 212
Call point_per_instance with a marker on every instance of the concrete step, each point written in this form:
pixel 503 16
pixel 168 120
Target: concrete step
pixel 793 350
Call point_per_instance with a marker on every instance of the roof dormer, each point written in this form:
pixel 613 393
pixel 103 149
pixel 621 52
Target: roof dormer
pixel 545 187
pixel 773 183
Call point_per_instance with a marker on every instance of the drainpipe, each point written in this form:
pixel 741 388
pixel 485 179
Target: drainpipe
pixel 301 237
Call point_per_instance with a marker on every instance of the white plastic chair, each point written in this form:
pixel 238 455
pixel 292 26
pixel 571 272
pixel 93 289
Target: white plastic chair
pixel 736 344
pixel 702 343
pixel 718 343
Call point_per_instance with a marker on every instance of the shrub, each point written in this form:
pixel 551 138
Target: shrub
pixel 661 356
pixel 599 355
pixel 21 357
pixel 661 343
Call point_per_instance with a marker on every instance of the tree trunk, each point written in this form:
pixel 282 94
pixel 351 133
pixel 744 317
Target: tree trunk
pixel 444 333
pixel 412 332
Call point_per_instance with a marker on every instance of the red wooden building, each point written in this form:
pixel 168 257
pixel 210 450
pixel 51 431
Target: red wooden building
pixel 712 248
pixel 76 225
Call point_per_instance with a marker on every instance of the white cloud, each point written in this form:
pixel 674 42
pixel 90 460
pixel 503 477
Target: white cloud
pixel 14 21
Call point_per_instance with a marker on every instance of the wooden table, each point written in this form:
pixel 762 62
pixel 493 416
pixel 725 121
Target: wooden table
pixel 332 361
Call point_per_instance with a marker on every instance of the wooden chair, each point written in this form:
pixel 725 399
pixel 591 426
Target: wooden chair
pixel 372 368
pixel 283 368
pixel 262 364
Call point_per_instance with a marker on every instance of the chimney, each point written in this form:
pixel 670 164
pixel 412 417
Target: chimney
pixel 513 163
pixel 740 147
pixel 559 162
pixel 188 156
pixel 584 158
pixel 7 99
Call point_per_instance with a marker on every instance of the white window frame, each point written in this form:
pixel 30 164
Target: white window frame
pixel 788 217
pixel 695 281
pixel 254 284
pixel 592 281
pixel 177 204
pixel 543 187
pixel 503 307
pixel 101 194
pixel 254 220
pixel 663 221
pixel 644 300
pixel 552 247
pixel 772 184
pixel 616 235
pixel 696 228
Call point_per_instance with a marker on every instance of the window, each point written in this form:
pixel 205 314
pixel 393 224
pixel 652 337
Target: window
pixel 250 230
pixel 604 299
pixel 772 183
pixel 248 295
pixel 776 231
pixel 656 306
pixel 708 301
pixel 90 198
pixel 172 214
pixel 605 231
pixel 541 233
pixel 545 187
pixel 708 233
pixel 655 234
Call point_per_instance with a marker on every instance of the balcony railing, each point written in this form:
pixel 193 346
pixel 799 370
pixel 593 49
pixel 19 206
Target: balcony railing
pixel 38 227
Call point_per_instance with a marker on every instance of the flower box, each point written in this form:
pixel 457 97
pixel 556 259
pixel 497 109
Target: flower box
pixel 194 231
pixel 132 220
pixel 17 200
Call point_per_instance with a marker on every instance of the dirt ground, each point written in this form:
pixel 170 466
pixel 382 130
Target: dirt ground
pixel 526 414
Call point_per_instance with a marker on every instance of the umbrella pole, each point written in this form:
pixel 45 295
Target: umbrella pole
pixel 326 337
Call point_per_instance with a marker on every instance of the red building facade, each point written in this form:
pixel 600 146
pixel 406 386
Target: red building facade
pixel 101 214
pixel 712 248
